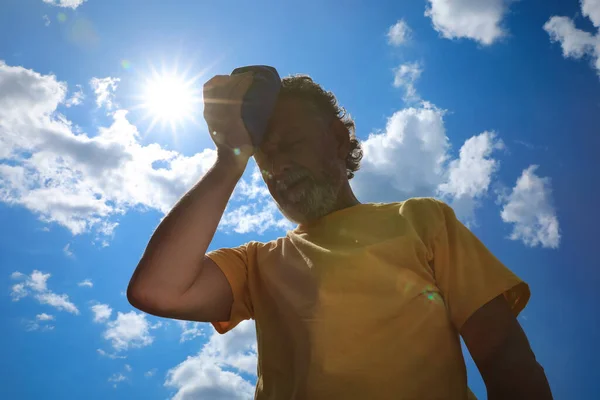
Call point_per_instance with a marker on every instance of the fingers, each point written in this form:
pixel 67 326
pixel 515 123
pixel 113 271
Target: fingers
pixel 226 88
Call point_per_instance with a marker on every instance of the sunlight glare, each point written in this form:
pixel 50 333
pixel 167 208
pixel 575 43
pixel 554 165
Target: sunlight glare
pixel 170 99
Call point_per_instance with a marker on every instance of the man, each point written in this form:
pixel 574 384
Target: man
pixel 359 301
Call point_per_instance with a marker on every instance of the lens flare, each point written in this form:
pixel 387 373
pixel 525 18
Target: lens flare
pixel 169 98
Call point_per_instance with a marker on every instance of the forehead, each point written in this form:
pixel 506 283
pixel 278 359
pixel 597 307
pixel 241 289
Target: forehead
pixel 289 113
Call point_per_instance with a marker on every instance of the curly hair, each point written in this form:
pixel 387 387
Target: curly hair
pixel 303 87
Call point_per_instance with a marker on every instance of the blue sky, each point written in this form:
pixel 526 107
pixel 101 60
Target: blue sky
pixel 490 105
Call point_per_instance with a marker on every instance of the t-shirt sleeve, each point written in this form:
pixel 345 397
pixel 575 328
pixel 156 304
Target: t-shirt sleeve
pixel 235 264
pixel 468 274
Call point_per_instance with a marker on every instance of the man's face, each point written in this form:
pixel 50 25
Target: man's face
pixel 300 162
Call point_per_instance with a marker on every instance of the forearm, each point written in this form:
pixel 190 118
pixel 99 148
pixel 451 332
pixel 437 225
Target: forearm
pixel 516 380
pixel 173 256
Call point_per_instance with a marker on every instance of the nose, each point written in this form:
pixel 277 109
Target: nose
pixel 279 167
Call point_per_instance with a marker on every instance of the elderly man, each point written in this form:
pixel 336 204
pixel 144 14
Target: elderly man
pixel 359 301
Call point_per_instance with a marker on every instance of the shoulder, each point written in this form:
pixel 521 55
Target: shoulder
pixel 423 209
pixel 425 214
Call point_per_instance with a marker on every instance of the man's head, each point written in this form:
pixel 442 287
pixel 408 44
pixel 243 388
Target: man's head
pixel 310 151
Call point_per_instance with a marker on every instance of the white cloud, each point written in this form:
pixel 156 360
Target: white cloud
pixel 116 378
pixel 78 181
pixel 31 326
pixel 40 323
pixel 37 283
pixel 405 76
pixel 105 88
pixel 102 312
pixel 529 208
pixel 479 20
pixel 399 33
pixel 577 43
pixel 470 176
pixel 65 3
pixel 259 215
pixel 114 356
pixel 86 283
pixel 150 373
pixel 203 376
pixel 591 9
pixel 68 251
pixel 127 367
pixel 59 301
pixel 17 275
pixel 46 20
pixel 411 158
pixel 129 330
pixel 44 317
pixel 76 98
pixel 18 291
pixel 190 330
pixel 407 159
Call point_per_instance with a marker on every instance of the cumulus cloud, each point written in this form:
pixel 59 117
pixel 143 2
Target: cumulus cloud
pixel 113 356
pixel 529 209
pixel 128 330
pixel 78 181
pixel 479 20
pixel 46 20
pixel 150 373
pixel 105 88
pixel 36 284
pixel 117 378
pixel 38 325
pixel 577 43
pixel 102 312
pixel 76 98
pixel 38 281
pixel 399 33
pixel 407 159
pixel 469 177
pixel 591 9
pixel 411 158
pixel 405 77
pixel 67 250
pixel 17 275
pixel 257 215
pixel 65 3
pixel 59 301
pixel 44 317
pixel 204 375
pixel 190 330
pixel 86 283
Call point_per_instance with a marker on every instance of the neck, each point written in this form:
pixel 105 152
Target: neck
pixel 346 198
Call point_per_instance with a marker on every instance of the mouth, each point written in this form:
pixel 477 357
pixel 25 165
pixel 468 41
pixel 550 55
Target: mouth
pixel 283 187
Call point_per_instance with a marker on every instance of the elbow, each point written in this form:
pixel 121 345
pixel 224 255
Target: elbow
pixel 136 297
pixel 138 293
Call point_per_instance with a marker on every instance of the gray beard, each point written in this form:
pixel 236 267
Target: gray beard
pixel 316 201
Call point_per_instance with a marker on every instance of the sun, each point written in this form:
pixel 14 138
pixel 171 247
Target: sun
pixel 169 98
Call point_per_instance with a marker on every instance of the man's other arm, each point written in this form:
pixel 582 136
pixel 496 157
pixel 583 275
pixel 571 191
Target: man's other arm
pixel 503 355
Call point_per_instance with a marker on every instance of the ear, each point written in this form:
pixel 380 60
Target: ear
pixel 342 137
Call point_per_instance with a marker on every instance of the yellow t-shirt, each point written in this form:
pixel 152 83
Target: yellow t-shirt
pixel 366 303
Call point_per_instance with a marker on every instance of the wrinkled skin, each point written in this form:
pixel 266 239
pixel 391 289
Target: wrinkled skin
pixel 302 161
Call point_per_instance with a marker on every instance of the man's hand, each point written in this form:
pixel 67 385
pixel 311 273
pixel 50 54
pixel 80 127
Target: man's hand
pixel 223 96
pixel 503 355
